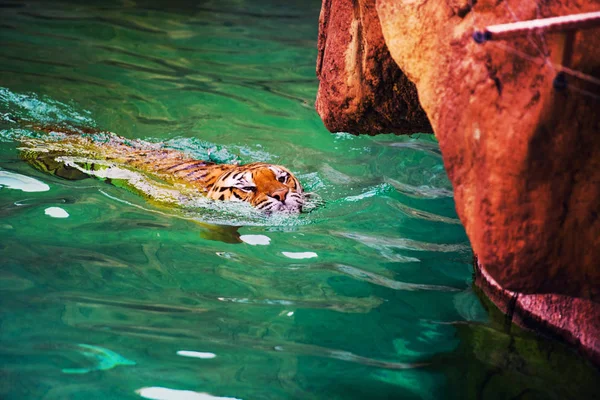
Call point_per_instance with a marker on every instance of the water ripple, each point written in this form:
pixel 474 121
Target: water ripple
pixel 389 283
pixel 422 191
pixel 264 344
pixel 132 305
pixel 424 215
pixel 402 243
pixel 226 80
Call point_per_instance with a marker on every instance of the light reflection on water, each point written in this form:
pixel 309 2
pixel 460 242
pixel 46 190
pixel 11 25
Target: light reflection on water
pixel 384 310
pixel 196 354
pixel 160 393
pixel 11 180
pixel 103 358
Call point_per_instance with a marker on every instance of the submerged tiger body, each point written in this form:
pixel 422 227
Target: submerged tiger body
pixel 267 187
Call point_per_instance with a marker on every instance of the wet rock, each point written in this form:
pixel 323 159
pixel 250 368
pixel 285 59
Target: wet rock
pixel 574 320
pixel 361 89
pixel 523 157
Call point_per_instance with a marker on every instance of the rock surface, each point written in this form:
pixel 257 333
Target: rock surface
pixel 362 89
pixel 523 157
pixel 574 320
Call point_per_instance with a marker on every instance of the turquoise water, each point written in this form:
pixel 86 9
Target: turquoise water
pixel 106 295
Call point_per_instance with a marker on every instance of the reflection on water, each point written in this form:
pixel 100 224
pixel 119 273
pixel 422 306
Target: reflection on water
pixel 390 283
pixel 256 240
pixel 160 393
pixel 10 180
pixel 299 255
pixel 401 243
pixel 368 296
pixel 56 212
pixel 423 191
pixel 196 354
pixel 103 358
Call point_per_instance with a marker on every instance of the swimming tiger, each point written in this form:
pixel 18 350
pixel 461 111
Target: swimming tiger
pixel 267 187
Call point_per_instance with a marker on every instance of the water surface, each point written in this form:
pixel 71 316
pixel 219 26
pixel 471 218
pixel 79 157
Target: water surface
pixel 107 295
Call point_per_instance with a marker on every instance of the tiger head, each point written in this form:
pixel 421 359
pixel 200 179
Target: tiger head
pixel 266 187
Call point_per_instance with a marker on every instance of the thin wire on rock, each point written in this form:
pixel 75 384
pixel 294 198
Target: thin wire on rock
pixel 543 59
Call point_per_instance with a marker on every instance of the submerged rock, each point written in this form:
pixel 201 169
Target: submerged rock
pixel 522 156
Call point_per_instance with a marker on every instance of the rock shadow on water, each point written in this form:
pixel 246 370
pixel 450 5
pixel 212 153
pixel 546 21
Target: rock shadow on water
pixel 499 360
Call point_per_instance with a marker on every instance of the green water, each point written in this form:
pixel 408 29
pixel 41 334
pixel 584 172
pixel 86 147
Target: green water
pixel 122 299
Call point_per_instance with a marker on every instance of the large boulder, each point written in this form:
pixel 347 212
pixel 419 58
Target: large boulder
pixel 362 89
pixel 523 157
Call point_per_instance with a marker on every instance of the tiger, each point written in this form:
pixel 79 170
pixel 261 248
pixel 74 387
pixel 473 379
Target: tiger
pixel 267 187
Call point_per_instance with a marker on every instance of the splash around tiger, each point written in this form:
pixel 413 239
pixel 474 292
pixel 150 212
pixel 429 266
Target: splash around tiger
pixel 267 187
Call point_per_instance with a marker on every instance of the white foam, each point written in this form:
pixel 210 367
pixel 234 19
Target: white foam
pixel 290 313
pixel 56 212
pixel 10 180
pixel 161 393
pixel 298 256
pixel 196 354
pixel 256 240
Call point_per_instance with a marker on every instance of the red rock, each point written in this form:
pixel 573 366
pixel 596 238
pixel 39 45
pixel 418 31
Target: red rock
pixel 361 89
pixel 575 321
pixel 523 158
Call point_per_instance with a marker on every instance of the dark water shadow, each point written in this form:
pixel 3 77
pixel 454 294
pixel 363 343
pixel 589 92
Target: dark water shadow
pixel 496 361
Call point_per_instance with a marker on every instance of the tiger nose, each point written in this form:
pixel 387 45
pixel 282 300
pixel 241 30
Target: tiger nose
pixel 280 194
